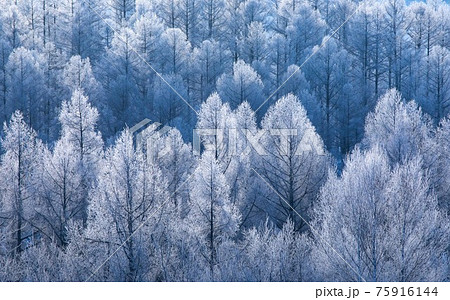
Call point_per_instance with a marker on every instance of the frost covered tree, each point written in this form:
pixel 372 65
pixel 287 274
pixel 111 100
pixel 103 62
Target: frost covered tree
pixel 175 159
pixel 423 25
pixel 299 86
pixel 327 73
pixel 127 208
pixel 209 63
pixel 169 12
pixel 213 127
pixel 212 219
pixel 436 98
pixel 13 24
pixel 61 193
pixel 224 134
pixel 4 54
pixel 25 72
pixel 20 168
pixel 148 28
pixel 78 123
pixel 177 50
pixel 271 254
pixel 215 15
pixel 254 11
pixel 386 221
pixel 253 47
pixel 78 75
pixel 419 230
pixel 245 185
pixel 243 84
pixel 78 26
pixel 440 169
pixel 294 162
pixel 119 66
pixel 123 10
pixel 305 30
pixel 190 20
pixel 395 23
pixel 168 107
pixel 278 60
pixel 398 127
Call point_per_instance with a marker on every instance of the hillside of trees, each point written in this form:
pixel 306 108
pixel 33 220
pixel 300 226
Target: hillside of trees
pixel 365 197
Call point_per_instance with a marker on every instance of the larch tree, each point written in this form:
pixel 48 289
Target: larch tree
pixel 78 122
pixel 61 192
pixel 122 10
pixel 119 66
pixel 215 121
pixel 148 28
pixel 168 107
pixel 299 86
pixel 213 11
pixel 395 43
pixel 78 75
pixel 86 30
pixel 271 254
pixel 435 98
pixel 174 59
pixel 128 208
pixel 243 84
pixel 13 24
pixel 294 162
pixel 253 48
pixel 386 221
pixel 208 61
pixel 175 159
pixel 352 210
pixel 305 30
pixel 327 74
pixel 439 172
pixel 20 168
pixel 418 228
pixel 26 92
pixel 5 50
pixel 169 12
pixel 278 60
pixel 190 20
pixel 212 219
pixel 399 127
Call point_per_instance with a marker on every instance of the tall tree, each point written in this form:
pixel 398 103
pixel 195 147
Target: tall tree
pixel 398 127
pixel 294 163
pixel 328 73
pixel 78 75
pixel 120 70
pixel 243 84
pixel 178 49
pixel 20 168
pixel 26 92
pixel 128 208
pixel 78 122
pixel 305 30
pixel 213 219
pixel 209 63
pixel 435 98
pixel 61 193
pixel 387 223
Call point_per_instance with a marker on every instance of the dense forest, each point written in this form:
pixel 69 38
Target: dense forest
pixel 324 132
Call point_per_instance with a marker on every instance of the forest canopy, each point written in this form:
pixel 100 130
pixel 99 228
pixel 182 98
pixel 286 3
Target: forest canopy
pixel 323 136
